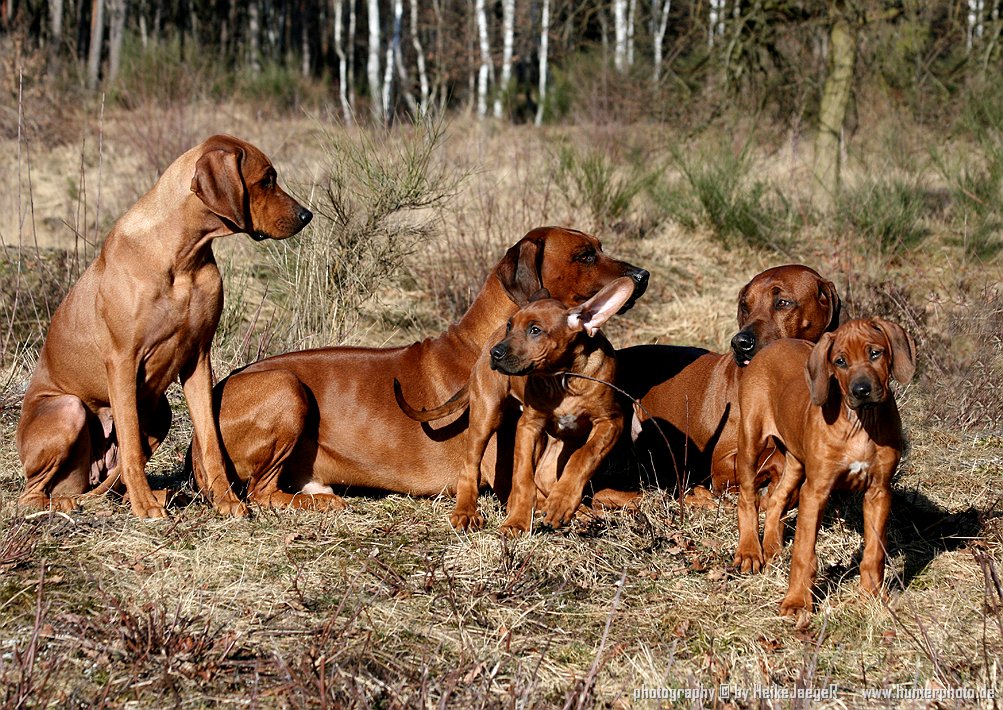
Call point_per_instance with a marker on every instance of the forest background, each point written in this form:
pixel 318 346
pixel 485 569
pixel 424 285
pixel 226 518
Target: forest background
pixel 704 140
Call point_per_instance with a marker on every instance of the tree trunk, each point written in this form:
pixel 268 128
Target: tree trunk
pixel 716 23
pixel 832 112
pixel 402 73
pixel 508 41
pixel 96 40
pixel 620 28
pixel 373 63
pixel 544 42
pixel 388 73
pixel 485 68
pixel 56 23
pixel 339 50
pixel 116 32
pixel 253 37
pixel 631 18
pixel 420 54
pixel 663 23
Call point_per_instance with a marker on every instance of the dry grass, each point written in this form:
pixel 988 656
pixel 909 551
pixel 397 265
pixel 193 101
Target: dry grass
pixel 386 605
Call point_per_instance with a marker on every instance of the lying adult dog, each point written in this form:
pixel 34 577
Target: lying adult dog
pixel 840 429
pixel 142 314
pixel 691 393
pixel 556 363
pixel 296 425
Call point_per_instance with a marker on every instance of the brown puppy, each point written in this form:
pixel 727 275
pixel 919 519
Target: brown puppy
pixel 298 424
pixel 841 429
pixel 540 344
pixel 142 314
pixel 696 394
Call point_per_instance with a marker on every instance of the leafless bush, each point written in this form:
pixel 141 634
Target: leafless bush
pixel 371 214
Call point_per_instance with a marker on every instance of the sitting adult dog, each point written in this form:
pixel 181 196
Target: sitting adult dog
pixel 691 393
pixel 296 425
pixel 556 362
pixel 142 314
pixel 840 429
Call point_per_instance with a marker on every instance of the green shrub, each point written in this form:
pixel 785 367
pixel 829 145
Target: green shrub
pixel 717 190
pixel 590 180
pixel 370 215
pixel 887 213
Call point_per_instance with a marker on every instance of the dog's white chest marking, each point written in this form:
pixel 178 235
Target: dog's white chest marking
pixel 859 469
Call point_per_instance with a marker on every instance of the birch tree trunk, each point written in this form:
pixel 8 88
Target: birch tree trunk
pixel 975 22
pixel 254 37
pixel 485 69
pixel 663 23
pixel 96 40
pixel 388 72
pixel 402 73
pixel 544 43
pixel 420 58
pixel 631 17
pixel 508 41
pixel 56 23
pixel 376 106
pixel 337 8
pixel 620 30
pixel 832 112
pixel 716 23
pixel 116 31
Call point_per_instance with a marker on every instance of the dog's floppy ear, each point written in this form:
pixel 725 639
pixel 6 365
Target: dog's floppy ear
pixel 519 270
pixel 741 298
pixel 827 295
pixel 219 184
pixel 901 347
pixel 593 314
pixel 818 371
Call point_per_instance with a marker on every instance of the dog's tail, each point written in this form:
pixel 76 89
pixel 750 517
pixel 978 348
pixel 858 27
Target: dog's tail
pixel 456 403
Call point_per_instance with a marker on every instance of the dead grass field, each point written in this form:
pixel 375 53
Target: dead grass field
pixel 384 604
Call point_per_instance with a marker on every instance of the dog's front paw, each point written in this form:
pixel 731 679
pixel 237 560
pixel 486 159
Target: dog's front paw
pixel 466 519
pixel 795 605
pixel 560 509
pixel 513 527
pixel 149 512
pixel 748 558
pixel 232 508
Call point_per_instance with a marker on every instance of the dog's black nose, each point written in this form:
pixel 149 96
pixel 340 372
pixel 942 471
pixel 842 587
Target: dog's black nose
pixel 861 389
pixel 640 276
pixel 744 342
pixel 304 215
pixel 498 352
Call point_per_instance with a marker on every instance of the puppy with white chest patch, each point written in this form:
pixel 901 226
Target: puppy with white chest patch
pixel 841 429
pixel 535 359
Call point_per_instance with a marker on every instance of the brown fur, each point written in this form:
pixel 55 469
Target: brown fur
pixel 142 314
pixel 841 428
pixel 529 360
pixel 698 395
pixel 296 425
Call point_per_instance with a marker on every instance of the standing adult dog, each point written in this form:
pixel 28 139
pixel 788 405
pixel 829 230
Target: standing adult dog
pixel 691 393
pixel 296 425
pixel 143 313
pixel 841 430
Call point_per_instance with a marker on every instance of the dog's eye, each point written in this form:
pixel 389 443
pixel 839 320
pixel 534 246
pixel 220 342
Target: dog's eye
pixel 875 354
pixel 587 257
pixel 268 182
pixel 839 361
pixel 782 303
pixel 508 327
pixel 535 330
